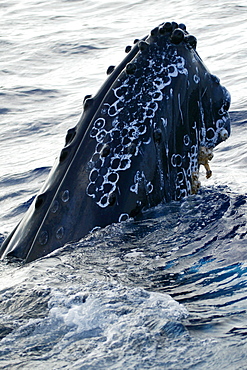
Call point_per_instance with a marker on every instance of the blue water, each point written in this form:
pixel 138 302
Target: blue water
pixel 167 291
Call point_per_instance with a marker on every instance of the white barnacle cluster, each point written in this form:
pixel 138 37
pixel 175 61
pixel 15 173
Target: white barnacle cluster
pixel 220 130
pixel 184 175
pixel 168 70
pixel 118 141
pixel 211 136
pixel 124 122
pixel 182 183
pixel 214 133
pixel 187 166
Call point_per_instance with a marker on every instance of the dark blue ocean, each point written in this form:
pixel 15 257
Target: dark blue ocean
pixel 167 291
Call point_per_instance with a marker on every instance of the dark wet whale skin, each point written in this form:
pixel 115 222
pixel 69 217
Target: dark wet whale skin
pixel 136 144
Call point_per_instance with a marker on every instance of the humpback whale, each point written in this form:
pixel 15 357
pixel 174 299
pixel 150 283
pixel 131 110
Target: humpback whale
pixel 140 141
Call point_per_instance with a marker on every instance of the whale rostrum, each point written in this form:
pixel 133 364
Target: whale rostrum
pixel 140 141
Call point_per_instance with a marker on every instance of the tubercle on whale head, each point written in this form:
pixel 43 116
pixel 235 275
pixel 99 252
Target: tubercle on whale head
pixel 176 32
pixel 70 135
pixel 177 36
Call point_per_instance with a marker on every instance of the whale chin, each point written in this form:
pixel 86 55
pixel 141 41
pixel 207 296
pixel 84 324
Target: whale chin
pixel 140 141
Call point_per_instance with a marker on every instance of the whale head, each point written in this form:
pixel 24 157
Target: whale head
pixel 140 141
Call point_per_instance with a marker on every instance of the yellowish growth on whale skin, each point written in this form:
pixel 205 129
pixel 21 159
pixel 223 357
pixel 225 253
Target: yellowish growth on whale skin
pixel 205 155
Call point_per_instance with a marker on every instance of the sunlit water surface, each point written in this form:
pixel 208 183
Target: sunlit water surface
pixel 167 291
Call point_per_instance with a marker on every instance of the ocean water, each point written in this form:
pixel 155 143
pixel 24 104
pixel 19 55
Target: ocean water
pixel 167 291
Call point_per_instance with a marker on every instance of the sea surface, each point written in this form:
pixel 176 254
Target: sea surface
pixel 167 291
